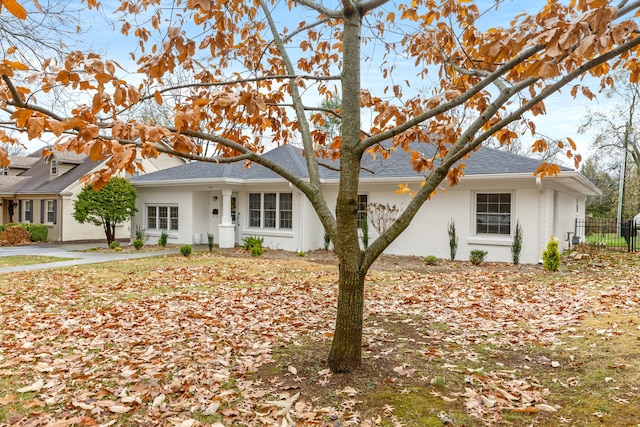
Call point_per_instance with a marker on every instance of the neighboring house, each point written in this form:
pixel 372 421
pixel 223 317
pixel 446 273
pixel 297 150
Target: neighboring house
pixel 42 190
pixel 498 189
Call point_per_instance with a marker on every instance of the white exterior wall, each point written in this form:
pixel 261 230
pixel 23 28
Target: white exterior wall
pixel 542 210
pixel 70 230
pixel 164 196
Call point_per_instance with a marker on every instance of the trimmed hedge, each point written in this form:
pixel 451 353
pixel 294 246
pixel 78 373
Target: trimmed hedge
pixel 38 232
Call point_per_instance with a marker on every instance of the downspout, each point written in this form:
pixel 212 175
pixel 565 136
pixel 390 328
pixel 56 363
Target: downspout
pixel 541 218
pixel 301 221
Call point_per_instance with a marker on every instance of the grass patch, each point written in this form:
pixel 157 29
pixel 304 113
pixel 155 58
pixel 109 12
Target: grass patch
pixel 17 260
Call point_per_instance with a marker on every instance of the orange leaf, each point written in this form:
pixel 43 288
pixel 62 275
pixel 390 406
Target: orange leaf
pixel 96 151
pixel 158 97
pixel 15 9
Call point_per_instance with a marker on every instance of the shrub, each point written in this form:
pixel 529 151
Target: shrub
pixel 453 239
pixel 139 233
pixel 430 260
pixel 253 245
pixel 365 233
pixel 115 244
pixel 14 235
pixel 118 249
pixel 301 254
pixel 38 232
pixel 210 241
pixel 138 243
pixel 516 246
pixel 477 256
pixel 551 256
pixel 256 250
pixel 162 241
pixel 185 250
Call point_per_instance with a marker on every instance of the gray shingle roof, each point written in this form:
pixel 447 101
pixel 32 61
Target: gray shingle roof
pixel 38 180
pixel 483 161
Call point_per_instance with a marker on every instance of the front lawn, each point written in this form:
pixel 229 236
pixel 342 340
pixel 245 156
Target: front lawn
pixel 221 340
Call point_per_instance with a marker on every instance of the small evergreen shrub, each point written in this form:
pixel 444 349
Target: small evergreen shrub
pixel 38 232
pixel 117 249
pixel 114 244
pixel 430 260
pixel 453 239
pixel 516 246
pixel 185 250
pixel 139 233
pixel 162 241
pixel 253 244
pixel 365 233
pixel 138 244
pixel 327 241
pixel 477 256
pixel 210 241
pixel 551 256
pixel 301 254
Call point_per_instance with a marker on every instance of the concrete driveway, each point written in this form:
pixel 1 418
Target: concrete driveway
pixel 78 251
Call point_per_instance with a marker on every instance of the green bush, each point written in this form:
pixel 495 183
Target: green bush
pixel 257 250
pixel 38 232
pixel 115 244
pixel 365 232
pixel 516 246
pixel 139 233
pixel 477 256
pixel 162 241
pixel 253 244
pixel 118 249
pixel 185 250
pixel 302 254
pixel 210 241
pixel 551 256
pixel 430 260
pixel 453 239
pixel 138 243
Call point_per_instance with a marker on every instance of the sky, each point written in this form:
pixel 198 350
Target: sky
pixel 564 114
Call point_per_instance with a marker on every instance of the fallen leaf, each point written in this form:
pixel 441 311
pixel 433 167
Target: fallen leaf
pixel 546 408
pixel 293 370
pixel 119 409
pixel 37 386
pixel 9 398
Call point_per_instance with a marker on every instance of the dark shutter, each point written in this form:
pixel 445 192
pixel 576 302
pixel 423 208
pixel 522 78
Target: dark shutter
pixel 41 211
pixel 33 208
pixel 19 210
pixel 55 211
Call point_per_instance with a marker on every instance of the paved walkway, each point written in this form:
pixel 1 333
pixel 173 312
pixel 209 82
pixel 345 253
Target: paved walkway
pixel 78 251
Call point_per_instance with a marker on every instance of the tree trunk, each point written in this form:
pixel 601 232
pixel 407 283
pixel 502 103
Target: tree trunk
pixel 346 348
pixel 109 232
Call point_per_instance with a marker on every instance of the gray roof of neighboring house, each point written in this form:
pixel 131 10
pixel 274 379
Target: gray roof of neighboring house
pixel 483 161
pixel 38 180
pixel 22 162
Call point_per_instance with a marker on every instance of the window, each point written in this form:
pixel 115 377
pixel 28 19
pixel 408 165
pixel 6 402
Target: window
pixel 28 210
pixel 493 213
pixel 286 210
pixel 362 209
pixel 4 170
pixel 54 167
pixel 162 217
pixel 51 211
pixel 271 210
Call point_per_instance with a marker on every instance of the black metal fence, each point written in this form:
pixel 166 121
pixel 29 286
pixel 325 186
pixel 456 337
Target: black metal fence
pixel 608 233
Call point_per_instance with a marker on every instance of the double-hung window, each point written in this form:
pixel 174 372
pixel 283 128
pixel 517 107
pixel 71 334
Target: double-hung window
pixel 271 210
pixel 28 210
pixel 162 217
pixel 493 213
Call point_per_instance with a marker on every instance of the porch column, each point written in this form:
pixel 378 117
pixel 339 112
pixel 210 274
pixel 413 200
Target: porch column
pixel 226 229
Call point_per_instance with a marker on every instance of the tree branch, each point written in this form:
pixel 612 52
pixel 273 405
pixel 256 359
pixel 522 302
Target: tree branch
pixel 321 9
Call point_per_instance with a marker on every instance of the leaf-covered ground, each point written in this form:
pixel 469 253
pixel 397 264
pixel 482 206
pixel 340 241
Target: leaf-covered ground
pixel 221 340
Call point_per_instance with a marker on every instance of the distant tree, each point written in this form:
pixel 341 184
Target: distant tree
pixel 111 205
pixel 603 206
pixel 329 120
pixel 15 149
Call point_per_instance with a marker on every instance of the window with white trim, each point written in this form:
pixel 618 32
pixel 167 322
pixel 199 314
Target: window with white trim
pixel 271 210
pixel 493 213
pixel 162 217
pixel 54 167
pixel 51 211
pixel 28 210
